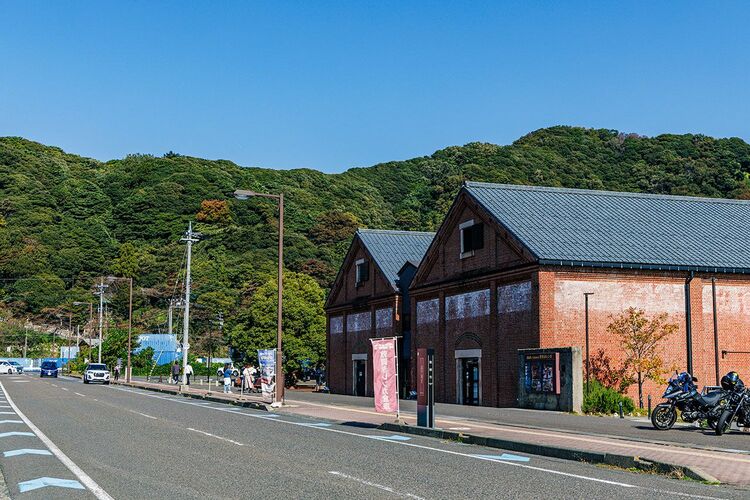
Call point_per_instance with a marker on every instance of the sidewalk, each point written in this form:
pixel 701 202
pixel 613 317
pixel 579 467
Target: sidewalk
pixel 729 465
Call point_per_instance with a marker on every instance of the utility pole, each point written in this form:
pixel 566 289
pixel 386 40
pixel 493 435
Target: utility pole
pixel 100 292
pixel 130 328
pixel 190 238
pixel 25 339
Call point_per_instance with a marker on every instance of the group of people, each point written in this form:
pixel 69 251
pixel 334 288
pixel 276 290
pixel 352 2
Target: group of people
pixel 176 373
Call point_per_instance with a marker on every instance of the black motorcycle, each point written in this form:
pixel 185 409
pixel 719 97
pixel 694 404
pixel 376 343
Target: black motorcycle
pixel 682 394
pixel 738 405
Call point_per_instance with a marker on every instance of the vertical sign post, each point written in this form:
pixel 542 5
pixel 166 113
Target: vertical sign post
pixel 267 361
pixel 426 388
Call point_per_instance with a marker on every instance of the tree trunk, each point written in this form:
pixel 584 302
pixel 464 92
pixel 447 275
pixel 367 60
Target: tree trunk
pixel 640 391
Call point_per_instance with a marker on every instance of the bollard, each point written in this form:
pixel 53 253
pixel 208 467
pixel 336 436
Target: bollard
pixel 649 406
pixel 622 415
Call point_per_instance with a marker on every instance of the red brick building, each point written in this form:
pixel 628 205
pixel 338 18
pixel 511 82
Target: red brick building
pixel 370 299
pixel 510 265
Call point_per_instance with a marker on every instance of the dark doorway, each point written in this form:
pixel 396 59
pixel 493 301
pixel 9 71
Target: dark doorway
pixel 470 381
pixel 359 377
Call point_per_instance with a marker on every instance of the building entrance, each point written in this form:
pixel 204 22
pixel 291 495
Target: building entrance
pixel 469 376
pixel 359 377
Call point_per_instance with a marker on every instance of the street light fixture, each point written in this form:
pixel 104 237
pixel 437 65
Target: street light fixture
pixel 244 195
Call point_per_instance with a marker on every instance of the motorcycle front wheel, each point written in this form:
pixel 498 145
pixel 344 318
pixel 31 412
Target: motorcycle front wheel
pixel 663 417
pixel 725 420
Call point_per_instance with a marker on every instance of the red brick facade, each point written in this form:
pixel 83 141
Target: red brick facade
pixel 355 314
pixel 511 303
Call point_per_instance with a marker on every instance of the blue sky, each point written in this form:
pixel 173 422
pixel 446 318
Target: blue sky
pixel 331 85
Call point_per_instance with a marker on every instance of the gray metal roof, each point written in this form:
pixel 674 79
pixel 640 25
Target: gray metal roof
pixel 392 249
pixel 612 229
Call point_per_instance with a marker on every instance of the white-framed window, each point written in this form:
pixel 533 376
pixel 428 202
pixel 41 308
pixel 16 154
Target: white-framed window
pixel 361 272
pixel 472 237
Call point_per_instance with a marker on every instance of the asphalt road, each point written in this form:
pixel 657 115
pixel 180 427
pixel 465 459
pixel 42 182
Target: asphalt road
pixel 630 428
pixel 140 444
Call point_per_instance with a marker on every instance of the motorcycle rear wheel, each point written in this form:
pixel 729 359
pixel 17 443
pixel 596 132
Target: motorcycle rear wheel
pixel 663 417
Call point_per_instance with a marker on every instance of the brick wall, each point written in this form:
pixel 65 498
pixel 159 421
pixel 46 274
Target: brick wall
pixel 564 323
pixel 733 322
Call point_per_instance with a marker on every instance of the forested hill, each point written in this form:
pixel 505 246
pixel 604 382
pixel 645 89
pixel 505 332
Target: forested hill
pixel 65 219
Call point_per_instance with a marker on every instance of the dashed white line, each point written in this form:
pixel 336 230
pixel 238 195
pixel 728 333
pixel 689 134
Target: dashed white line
pixel 97 490
pixel 79 394
pixel 215 436
pixel 374 485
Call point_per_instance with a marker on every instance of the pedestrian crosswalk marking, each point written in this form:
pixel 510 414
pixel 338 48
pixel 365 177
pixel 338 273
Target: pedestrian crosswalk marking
pixel 14 433
pixel 25 451
pixel 35 484
pixel 505 456
pixel 11 421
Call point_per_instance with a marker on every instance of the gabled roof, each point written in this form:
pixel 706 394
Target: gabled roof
pixel 612 229
pixel 392 249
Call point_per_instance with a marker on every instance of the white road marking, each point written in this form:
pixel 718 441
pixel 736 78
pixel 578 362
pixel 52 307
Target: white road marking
pixel 144 415
pixel 10 434
pixel 20 381
pixel 374 485
pixel 25 451
pixel 414 445
pixel 7 413
pixel 97 490
pixel 459 428
pixel 79 394
pixel 64 389
pixel 11 421
pixel 215 436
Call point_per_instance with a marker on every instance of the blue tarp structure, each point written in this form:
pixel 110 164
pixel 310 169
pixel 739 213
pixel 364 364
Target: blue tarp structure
pixel 164 345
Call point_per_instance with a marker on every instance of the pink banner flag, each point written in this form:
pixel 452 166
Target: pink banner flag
pixel 385 375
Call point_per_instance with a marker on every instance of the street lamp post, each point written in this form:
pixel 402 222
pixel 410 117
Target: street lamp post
pixel 588 358
pixel 244 195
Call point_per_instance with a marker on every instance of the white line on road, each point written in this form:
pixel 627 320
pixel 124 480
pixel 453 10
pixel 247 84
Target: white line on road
pixel 79 394
pixel 215 436
pixel 64 389
pixel 97 490
pixel 236 411
pixel 374 485
pixel 144 415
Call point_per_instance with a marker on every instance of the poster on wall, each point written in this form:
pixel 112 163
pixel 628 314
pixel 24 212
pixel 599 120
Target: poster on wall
pixel 385 375
pixel 267 361
pixel 542 372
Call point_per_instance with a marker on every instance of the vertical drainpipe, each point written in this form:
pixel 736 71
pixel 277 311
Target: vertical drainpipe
pixel 688 326
pixel 716 330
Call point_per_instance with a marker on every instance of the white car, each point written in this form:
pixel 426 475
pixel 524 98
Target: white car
pixel 6 368
pixel 96 372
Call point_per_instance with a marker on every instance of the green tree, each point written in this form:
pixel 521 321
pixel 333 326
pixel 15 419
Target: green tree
pixel 303 321
pixel 640 337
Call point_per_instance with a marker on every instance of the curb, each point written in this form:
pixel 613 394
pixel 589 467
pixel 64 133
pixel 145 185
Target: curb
pixel 213 399
pixel 623 461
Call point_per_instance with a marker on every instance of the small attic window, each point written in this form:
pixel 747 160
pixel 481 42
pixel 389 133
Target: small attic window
pixel 362 272
pixel 472 237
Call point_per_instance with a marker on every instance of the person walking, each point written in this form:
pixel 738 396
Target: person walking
pixel 227 379
pixel 175 373
pixel 188 372
pixel 247 378
pixel 117 373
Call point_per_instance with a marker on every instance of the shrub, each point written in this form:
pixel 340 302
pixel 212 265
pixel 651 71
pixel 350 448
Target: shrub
pixel 602 399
